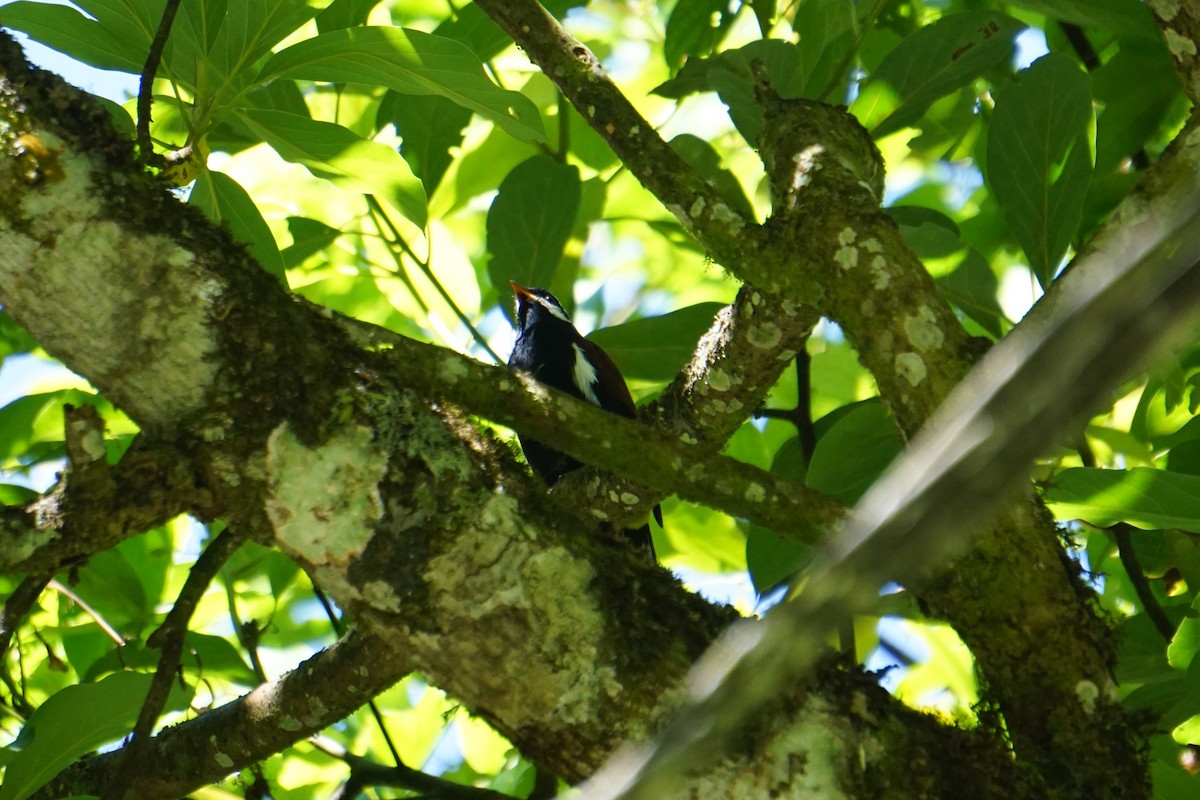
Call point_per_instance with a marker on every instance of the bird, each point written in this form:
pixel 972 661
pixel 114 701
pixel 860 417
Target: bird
pixel 550 349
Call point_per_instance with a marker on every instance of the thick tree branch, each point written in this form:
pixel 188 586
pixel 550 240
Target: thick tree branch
pixel 319 692
pixel 1180 25
pixel 648 456
pixel 1145 289
pixel 169 640
pixel 152 484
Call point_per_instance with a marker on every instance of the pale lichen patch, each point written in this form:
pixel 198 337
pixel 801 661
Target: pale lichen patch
pixel 755 493
pixel 1179 45
pixel 911 367
pixel 922 330
pixel 451 370
pixel 880 279
pixel 323 500
pixel 726 216
pixel 493 579
pixel 846 257
pixel 719 380
pixel 767 335
pixel 380 595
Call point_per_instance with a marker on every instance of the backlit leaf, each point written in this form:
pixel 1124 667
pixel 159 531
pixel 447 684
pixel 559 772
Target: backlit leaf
pixel 1039 159
pixel 1144 497
pixel 410 62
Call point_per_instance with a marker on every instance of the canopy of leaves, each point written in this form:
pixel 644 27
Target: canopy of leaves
pixel 401 162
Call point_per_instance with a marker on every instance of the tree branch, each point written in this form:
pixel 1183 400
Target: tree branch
pixel 633 451
pixel 146 89
pixel 1146 292
pixel 169 640
pixel 731 239
pixel 319 692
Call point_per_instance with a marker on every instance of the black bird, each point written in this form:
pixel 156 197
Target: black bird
pixel 549 348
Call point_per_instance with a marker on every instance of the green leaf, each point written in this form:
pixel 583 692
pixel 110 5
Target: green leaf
pixel 1121 16
pixel 961 273
pixel 309 237
pixel 345 14
pixel 1186 641
pixel 694 28
pixel 770 558
pixel 250 28
pixel 1144 497
pixel 72 723
pixel 223 199
pixel 530 221
pixel 854 452
pixel 37 419
pixel 410 62
pixel 932 62
pixel 705 159
pixel 341 157
pixel 430 126
pixel 828 32
pixel 13 495
pixel 655 348
pixel 67 31
pixel 1039 160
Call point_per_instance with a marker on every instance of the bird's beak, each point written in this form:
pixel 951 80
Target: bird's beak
pixel 521 292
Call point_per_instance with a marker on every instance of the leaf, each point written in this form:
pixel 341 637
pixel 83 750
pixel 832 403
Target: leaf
pixel 67 31
pixel 706 161
pixel 1127 17
pixel 961 273
pixel 72 723
pixel 931 63
pixel 13 495
pixel 250 28
pixel 1144 497
pixel 345 14
pixel 309 237
pixel 410 62
pixel 694 28
pixel 530 221
pixel 770 558
pixel 342 157
pixel 1039 162
pixel 430 126
pixel 655 348
pixel 827 31
pixel 37 419
pixel 854 452
pixel 223 199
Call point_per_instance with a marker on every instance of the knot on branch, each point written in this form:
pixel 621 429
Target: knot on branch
pixel 817 156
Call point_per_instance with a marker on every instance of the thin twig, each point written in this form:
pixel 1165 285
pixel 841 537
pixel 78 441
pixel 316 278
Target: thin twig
pixel 16 607
pixel 336 622
pixel 247 636
pixel 399 240
pixel 1122 532
pixel 149 70
pixel 851 52
pixel 112 632
pixel 169 639
pixel 364 773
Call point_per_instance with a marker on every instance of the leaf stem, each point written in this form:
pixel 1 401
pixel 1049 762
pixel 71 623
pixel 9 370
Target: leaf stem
pixel 146 89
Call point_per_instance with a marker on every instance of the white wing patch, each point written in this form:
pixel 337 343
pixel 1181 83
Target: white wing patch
pixel 585 375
